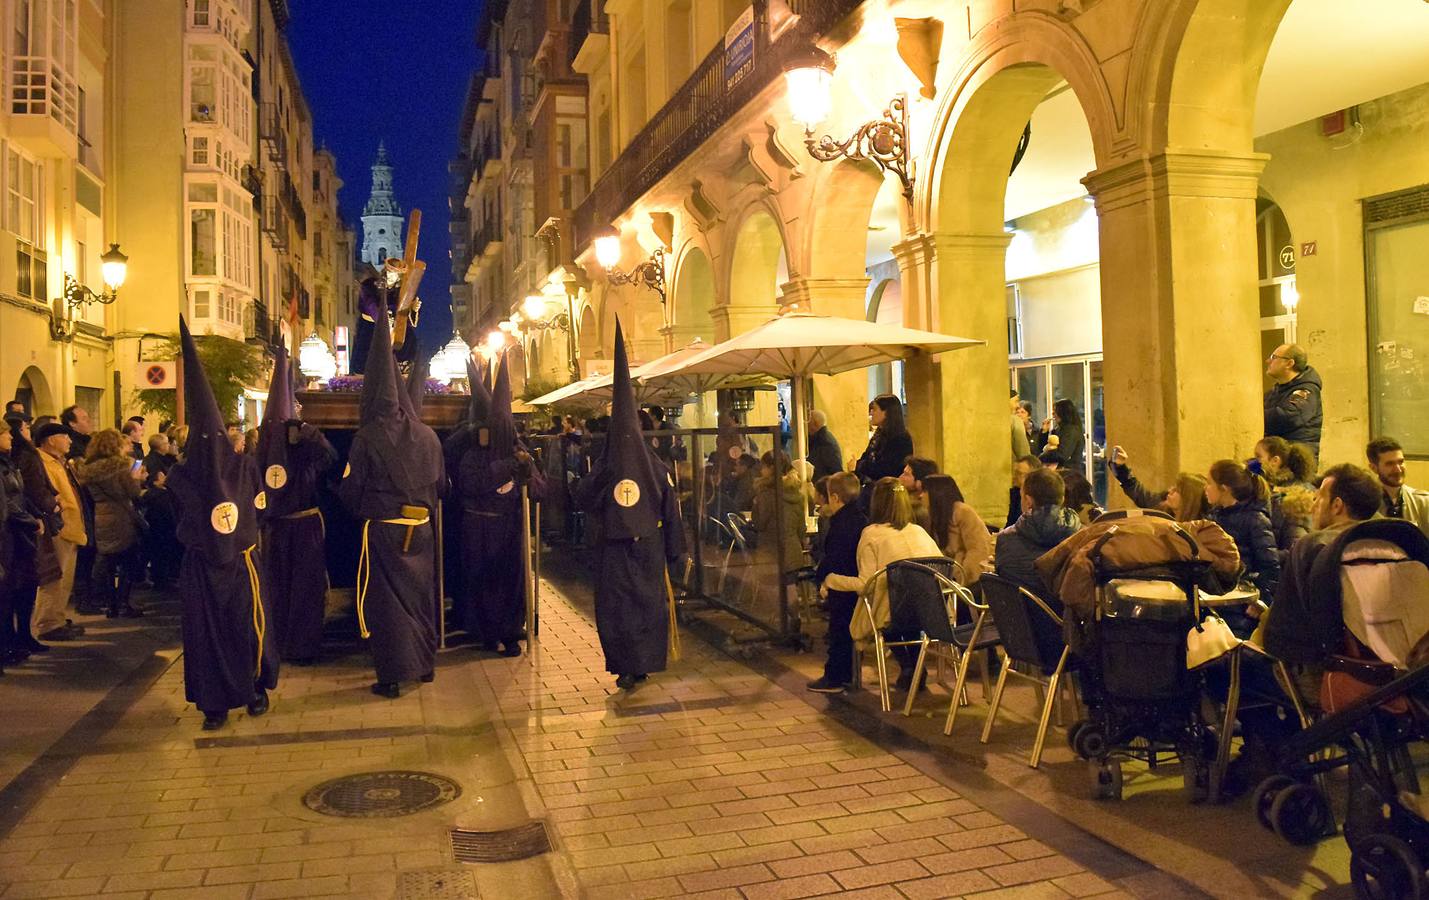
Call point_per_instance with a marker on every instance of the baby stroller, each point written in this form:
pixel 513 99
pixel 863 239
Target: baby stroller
pixel 1376 695
pixel 1142 702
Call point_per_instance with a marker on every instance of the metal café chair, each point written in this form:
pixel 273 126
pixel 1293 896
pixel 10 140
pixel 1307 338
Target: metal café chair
pixel 738 529
pixel 1033 646
pixel 722 536
pixel 923 598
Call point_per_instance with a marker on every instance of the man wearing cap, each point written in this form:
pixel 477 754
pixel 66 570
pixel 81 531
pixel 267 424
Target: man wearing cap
pixel 48 620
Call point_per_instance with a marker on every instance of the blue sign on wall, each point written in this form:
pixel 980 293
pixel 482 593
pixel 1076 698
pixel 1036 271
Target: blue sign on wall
pixel 739 49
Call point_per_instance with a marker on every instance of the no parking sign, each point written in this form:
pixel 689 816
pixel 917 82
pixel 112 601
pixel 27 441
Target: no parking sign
pixel 158 376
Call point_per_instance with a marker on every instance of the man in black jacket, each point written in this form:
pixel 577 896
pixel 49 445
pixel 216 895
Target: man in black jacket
pixel 76 420
pixel 825 454
pixel 1302 629
pixel 1292 406
pixel 846 524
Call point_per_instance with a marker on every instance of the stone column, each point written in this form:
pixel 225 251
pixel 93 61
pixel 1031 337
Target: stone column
pixel 965 390
pixel 1180 311
pixel 842 397
pixel 915 256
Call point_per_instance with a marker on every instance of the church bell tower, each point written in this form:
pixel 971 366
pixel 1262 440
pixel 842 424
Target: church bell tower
pixel 381 217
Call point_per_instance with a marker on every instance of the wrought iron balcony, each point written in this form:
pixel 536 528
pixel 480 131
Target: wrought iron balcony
pixel 701 105
pixel 271 134
pixel 274 219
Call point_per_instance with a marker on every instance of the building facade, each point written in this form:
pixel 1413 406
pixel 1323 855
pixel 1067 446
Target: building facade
pixel 1129 203
pixel 520 171
pixel 178 131
pixel 57 141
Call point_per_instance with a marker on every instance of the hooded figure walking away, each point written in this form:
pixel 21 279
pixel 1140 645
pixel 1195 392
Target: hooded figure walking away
pixel 393 478
pixel 630 496
pixel 493 468
pixel 293 458
pixel 228 662
pixel 464 614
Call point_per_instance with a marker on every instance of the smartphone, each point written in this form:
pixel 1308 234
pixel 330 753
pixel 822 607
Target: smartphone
pixel 137 465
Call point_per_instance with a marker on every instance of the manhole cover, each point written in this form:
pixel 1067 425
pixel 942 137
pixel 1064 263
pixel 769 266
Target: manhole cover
pixel 372 795
pixel 507 845
pixel 437 884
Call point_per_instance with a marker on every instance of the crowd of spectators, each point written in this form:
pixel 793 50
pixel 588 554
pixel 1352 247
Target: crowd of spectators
pixel 85 517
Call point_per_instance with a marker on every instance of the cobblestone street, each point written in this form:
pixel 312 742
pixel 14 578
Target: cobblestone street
pixel 716 779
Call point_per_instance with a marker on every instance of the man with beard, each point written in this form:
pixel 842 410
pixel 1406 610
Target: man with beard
pixel 293 458
pixel 630 497
pixel 493 468
pixel 228 663
pixel 393 478
pixel 1399 500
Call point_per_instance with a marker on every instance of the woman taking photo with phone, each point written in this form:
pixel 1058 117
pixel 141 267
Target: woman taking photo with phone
pixel 112 476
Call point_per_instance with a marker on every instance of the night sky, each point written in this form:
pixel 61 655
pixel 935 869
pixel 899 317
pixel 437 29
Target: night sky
pixel 394 71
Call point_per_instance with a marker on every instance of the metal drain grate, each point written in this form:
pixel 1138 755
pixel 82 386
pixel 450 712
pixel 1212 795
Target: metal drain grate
pixel 437 884
pixel 508 845
pixel 375 795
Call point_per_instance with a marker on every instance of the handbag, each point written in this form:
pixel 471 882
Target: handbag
pixel 1209 639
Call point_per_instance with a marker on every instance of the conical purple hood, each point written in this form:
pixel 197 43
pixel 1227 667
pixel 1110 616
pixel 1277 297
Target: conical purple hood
pixel 273 432
pixel 480 406
pixel 212 478
pixel 282 405
pixel 417 380
pixel 501 422
pixel 380 386
pixel 628 463
pixel 399 438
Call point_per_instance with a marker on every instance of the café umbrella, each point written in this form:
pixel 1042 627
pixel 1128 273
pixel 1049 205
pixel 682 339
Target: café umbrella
pixel 566 393
pixel 796 345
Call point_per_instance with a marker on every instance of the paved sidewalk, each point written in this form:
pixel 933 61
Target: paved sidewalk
pixel 710 780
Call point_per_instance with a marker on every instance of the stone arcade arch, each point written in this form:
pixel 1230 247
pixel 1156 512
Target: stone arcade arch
pixel 958 402
pixel 692 293
pixel 34 389
pixel 758 269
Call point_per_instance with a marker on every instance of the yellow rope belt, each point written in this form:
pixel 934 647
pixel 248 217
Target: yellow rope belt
pixel 364 566
pixel 260 621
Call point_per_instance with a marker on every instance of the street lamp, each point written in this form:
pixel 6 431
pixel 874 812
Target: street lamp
pixel 114 267
pixel 1290 299
pixel 449 363
pixel 315 360
pixel 809 76
pixel 650 273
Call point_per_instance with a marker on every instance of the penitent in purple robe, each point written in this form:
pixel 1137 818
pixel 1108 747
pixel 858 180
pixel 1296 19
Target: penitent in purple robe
pixel 490 477
pixel 293 459
pixel 228 651
pixel 630 496
pixel 395 461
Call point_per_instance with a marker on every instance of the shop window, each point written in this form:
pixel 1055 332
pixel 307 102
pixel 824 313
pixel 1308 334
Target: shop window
pixel 1397 271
